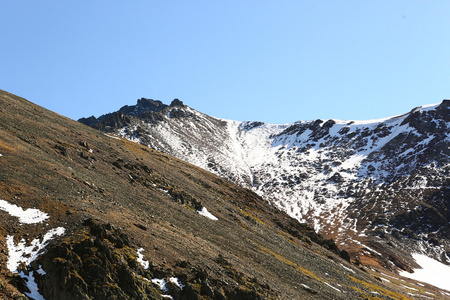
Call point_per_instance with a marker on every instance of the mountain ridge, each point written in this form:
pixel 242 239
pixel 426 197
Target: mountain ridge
pixel 357 182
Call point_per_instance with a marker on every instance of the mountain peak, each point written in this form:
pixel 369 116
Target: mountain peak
pixel 143 105
pixel 150 103
pixel 177 102
pixel 430 118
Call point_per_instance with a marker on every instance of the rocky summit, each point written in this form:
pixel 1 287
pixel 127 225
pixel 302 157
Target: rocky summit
pixel 379 188
pixel 89 215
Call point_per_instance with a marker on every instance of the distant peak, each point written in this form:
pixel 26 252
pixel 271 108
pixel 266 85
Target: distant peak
pixel 144 102
pixel 445 103
pixel 143 105
pixel 176 102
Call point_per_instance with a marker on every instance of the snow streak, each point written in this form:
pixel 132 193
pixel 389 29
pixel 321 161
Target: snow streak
pixel 27 216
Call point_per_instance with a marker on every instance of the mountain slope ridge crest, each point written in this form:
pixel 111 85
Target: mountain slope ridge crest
pixel 320 171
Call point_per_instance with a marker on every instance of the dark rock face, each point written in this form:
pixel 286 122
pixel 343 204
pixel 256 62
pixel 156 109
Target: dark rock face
pixel 95 263
pixel 115 120
pixel 177 102
pixel 118 118
pixel 433 121
pixel 143 105
pixel 91 121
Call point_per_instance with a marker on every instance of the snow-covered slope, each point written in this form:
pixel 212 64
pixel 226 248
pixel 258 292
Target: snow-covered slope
pixel 373 186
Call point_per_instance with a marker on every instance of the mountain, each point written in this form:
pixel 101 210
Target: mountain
pixel 88 215
pixel 378 188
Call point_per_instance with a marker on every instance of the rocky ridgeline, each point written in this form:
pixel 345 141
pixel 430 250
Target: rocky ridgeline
pixel 381 178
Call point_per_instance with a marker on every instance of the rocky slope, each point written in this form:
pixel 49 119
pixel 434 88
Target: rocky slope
pixel 86 215
pixel 379 188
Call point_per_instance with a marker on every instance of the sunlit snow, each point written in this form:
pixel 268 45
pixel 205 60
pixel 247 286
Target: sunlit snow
pixel 112 136
pixel 27 216
pixel 432 272
pixel 204 212
pixel 161 283
pixel 141 260
pixel 177 282
pixel 326 283
pixel 23 253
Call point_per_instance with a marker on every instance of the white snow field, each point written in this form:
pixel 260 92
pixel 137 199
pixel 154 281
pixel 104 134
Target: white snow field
pixel 432 272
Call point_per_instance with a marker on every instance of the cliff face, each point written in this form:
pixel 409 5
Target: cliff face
pixel 88 215
pixel 377 184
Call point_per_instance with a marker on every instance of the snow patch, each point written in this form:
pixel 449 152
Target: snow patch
pixel 41 271
pixel 204 212
pixel 161 283
pixel 32 286
pixel 21 253
pixel 348 269
pixel 428 107
pixel 431 271
pixel 370 122
pixel 27 216
pixel 112 136
pixel 141 260
pixel 177 282
pixel 332 286
pixel 305 286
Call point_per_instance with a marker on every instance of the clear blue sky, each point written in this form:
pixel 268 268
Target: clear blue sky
pixel 273 61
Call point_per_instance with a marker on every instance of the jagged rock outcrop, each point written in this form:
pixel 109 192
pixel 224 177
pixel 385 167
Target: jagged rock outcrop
pixel 98 262
pixel 93 263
